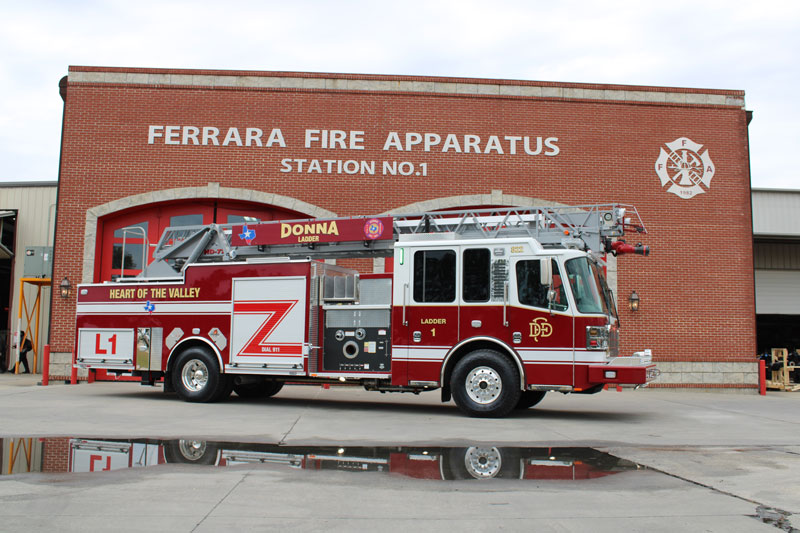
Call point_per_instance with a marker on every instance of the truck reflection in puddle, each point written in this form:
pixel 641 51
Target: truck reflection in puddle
pixel 479 462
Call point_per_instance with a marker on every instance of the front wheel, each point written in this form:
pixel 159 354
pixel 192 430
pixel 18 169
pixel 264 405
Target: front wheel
pixel 196 377
pixel 483 462
pixel 485 384
pixel 185 451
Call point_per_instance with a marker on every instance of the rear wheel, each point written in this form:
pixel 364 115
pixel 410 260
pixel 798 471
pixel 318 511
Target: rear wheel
pixel 225 390
pixel 529 398
pixel 196 377
pixel 263 389
pixel 485 384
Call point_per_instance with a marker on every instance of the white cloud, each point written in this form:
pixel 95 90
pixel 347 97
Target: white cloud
pixel 711 44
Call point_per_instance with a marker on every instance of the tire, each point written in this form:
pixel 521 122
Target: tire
pixel 483 462
pixel 485 384
pixel 529 398
pixel 196 376
pixel 225 390
pixel 187 451
pixel 263 389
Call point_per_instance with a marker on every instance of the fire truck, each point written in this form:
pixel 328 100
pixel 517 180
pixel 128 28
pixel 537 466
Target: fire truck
pixel 493 307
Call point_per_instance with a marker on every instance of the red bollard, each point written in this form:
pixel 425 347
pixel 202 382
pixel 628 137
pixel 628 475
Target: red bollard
pixel 73 377
pixel 46 365
pixel 762 377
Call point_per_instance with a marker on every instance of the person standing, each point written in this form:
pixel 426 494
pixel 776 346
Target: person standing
pixel 25 346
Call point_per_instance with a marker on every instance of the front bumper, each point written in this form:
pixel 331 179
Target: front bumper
pixel 637 369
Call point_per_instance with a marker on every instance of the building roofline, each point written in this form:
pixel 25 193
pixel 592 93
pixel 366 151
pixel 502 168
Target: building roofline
pixel 398 77
pixel 780 190
pixel 10 184
pixel 380 83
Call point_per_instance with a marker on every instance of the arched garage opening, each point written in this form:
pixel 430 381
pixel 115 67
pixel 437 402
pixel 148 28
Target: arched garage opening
pixel 151 220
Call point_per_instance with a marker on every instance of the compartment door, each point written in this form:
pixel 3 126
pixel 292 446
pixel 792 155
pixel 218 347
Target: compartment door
pixel 269 323
pixel 106 346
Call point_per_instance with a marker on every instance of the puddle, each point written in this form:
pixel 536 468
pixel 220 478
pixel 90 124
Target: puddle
pixel 479 462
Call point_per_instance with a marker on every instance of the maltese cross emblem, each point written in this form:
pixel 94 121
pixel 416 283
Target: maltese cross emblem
pixel 685 168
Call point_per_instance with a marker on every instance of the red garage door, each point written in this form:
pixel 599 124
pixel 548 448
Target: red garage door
pixel 147 223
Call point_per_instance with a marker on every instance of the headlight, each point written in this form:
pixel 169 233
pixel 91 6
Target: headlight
pixel 597 337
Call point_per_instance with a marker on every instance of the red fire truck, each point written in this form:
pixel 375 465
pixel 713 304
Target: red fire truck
pixel 492 307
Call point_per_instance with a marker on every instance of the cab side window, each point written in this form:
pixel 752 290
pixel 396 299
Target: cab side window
pixel 435 276
pixel 530 290
pixel 476 275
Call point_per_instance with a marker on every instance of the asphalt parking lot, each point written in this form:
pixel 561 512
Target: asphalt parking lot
pixel 343 459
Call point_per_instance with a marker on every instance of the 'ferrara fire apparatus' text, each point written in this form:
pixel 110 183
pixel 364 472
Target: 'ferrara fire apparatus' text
pixel 355 140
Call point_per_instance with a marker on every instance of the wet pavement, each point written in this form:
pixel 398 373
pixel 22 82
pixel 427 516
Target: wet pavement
pixel 87 457
pixel 70 455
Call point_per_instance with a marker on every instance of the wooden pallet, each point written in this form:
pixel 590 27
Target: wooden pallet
pixel 783 381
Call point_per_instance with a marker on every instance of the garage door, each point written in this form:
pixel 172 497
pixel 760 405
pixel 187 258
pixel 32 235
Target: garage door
pixel 778 292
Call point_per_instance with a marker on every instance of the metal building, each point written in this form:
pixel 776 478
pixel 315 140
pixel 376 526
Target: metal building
pixel 27 219
pixel 776 255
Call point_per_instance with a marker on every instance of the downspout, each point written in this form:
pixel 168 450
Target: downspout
pixel 62 91
pixel 749 118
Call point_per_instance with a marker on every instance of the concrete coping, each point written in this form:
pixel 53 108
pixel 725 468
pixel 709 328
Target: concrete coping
pixel 457 87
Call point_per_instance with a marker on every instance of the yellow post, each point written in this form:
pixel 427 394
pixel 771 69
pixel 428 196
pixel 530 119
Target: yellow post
pixel 25 444
pixel 11 455
pixel 31 315
pixel 35 343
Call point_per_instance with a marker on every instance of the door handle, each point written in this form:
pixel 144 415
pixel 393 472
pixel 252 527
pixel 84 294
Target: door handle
pixel 505 303
pixel 405 293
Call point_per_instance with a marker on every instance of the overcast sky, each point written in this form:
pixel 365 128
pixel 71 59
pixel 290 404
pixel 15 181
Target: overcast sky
pixel 753 46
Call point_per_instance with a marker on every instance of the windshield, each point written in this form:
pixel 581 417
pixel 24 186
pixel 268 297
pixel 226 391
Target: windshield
pixel 609 296
pixel 588 286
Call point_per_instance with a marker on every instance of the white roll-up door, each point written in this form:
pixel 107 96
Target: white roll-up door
pixel 778 292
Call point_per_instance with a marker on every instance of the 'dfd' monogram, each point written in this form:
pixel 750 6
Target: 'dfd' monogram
pixel 540 327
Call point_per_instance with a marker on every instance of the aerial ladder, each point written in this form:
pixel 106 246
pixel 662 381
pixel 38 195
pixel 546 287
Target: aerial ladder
pixel 593 228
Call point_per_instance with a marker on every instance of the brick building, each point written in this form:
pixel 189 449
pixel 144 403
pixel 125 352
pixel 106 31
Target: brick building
pixel 154 147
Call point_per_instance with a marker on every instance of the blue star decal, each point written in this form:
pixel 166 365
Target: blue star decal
pixel 149 307
pixel 247 234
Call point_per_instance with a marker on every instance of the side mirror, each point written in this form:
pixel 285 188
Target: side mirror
pixel 546 273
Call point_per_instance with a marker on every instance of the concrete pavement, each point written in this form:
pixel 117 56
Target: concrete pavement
pixel 714 460
pixel 313 415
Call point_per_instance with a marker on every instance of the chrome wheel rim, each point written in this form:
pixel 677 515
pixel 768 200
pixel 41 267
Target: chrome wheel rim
pixel 192 449
pixel 484 385
pixel 483 463
pixel 194 375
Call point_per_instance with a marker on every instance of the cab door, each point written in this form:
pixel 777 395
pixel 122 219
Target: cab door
pixel 430 297
pixel 484 274
pixel 541 331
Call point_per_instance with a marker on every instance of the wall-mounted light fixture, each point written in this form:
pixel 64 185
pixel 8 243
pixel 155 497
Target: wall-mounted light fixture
pixel 66 287
pixel 633 301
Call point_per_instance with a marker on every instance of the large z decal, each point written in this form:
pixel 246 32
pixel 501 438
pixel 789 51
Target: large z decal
pixel 274 311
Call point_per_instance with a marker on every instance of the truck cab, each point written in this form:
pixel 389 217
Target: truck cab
pixel 545 315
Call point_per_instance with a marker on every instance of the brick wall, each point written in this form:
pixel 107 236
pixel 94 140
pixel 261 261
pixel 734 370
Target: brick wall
pixel 55 454
pixel 696 289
